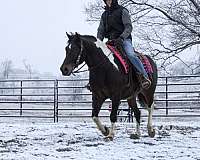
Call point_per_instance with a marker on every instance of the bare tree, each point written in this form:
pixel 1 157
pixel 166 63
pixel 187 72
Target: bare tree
pixel 162 29
pixel 6 67
pixel 28 68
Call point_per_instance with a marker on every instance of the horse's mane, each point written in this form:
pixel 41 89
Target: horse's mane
pixel 88 38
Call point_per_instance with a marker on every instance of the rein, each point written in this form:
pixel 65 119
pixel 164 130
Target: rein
pixel 78 70
pixel 78 60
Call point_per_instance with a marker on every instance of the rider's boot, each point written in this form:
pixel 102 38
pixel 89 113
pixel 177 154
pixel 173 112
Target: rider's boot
pixel 144 81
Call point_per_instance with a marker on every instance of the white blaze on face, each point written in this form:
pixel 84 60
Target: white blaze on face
pixel 106 51
pixel 70 46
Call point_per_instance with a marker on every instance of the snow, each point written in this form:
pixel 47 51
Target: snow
pixel 79 139
pixel 22 140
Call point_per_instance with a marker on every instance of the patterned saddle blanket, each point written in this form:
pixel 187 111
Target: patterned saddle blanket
pixel 124 61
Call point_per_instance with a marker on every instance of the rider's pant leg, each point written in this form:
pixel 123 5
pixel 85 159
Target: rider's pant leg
pixel 127 44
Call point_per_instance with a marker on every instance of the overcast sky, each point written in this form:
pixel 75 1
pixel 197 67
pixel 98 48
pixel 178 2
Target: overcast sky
pixel 34 30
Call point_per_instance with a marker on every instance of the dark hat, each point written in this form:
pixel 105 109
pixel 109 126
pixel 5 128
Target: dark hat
pixel 114 3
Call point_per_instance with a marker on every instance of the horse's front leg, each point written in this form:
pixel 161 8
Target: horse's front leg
pixel 113 116
pixel 96 106
pixel 137 114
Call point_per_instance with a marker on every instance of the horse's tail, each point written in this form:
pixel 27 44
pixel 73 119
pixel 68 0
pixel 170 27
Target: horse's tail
pixel 155 71
pixel 149 93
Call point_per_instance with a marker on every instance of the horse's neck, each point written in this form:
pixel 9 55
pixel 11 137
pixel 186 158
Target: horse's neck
pixel 95 57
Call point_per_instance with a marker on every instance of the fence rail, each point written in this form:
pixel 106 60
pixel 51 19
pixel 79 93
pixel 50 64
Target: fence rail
pixel 175 96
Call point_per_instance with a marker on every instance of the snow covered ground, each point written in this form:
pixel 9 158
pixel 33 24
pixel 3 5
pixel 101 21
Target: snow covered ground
pixel 175 139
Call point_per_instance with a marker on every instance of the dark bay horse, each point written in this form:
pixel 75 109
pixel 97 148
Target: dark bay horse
pixel 107 81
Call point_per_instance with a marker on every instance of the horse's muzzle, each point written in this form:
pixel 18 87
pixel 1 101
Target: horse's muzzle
pixel 66 70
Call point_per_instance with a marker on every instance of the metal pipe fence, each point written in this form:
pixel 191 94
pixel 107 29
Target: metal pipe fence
pixel 176 96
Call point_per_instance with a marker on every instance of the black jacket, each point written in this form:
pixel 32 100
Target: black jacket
pixel 115 22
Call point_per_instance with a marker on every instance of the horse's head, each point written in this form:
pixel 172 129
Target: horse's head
pixel 74 54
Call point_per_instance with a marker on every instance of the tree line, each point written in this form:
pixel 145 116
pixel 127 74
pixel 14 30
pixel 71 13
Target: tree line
pixel 7 68
pixel 165 30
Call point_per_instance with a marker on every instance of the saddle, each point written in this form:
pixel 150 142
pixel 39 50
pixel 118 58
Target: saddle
pixel 120 56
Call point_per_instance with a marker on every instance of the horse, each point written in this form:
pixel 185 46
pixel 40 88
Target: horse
pixel 108 81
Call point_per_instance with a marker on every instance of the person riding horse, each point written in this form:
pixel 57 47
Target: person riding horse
pixel 107 81
pixel 115 24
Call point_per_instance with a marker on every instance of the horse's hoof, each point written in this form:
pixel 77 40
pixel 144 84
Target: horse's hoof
pixel 107 139
pixel 151 133
pixel 110 138
pixel 106 133
pixel 134 136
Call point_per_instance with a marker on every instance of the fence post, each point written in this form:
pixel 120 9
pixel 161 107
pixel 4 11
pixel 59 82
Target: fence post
pixel 55 100
pixel 21 98
pixel 166 95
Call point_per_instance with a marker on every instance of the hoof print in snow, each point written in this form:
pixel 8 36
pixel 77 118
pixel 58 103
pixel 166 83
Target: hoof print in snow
pixel 149 143
pixel 134 136
pixel 59 141
pixel 93 145
pixel 64 149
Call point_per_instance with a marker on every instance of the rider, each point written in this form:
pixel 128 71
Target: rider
pixel 115 24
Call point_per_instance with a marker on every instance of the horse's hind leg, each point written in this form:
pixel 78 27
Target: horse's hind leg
pixel 151 130
pixel 132 103
pixel 149 104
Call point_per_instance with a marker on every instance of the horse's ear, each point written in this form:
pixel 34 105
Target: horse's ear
pixel 69 36
pixel 77 36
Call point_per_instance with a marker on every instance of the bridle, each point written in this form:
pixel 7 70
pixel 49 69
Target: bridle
pixel 78 60
pixel 80 53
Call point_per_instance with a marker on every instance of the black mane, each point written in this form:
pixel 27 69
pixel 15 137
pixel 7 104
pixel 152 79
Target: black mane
pixel 88 38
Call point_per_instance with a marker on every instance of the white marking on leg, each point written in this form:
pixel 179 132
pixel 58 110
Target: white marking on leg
pixel 137 132
pixel 150 111
pixel 99 124
pixel 112 130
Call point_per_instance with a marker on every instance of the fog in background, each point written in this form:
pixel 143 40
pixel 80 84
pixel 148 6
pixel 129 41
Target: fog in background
pixel 34 31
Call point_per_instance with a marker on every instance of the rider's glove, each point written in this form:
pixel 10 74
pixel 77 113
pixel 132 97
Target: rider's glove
pixel 119 40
